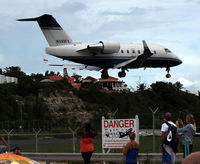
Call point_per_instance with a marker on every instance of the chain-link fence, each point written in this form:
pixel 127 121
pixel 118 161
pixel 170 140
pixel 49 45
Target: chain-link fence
pixel 41 136
pixel 68 143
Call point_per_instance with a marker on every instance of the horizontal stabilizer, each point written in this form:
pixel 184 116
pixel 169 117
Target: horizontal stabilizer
pixel 28 19
pixel 72 66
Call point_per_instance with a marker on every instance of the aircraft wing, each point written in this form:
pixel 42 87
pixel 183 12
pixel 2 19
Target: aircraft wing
pixel 72 66
pixel 146 54
pixel 120 65
pixel 139 60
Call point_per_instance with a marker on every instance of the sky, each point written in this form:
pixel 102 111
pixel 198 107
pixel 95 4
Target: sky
pixel 173 24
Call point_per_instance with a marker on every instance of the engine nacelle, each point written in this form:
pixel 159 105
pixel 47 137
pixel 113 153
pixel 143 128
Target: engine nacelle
pixel 110 47
pixel 105 47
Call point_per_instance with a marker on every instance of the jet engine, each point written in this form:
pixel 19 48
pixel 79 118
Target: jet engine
pixel 106 47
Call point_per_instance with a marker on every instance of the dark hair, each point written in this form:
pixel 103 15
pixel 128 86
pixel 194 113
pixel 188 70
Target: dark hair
pixel 132 135
pixel 87 126
pixel 16 148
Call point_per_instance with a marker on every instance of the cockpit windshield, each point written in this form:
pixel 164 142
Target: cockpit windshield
pixel 167 50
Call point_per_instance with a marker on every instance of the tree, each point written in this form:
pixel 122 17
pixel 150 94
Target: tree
pixel 37 77
pixel 14 71
pixel 141 87
pixel 178 85
pixel 47 73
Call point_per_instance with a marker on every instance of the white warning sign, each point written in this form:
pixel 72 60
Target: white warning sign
pixel 115 132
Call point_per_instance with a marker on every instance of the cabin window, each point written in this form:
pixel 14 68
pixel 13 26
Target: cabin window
pixel 154 52
pixel 127 51
pixel 133 51
pixel 138 51
pixel 122 51
pixel 167 50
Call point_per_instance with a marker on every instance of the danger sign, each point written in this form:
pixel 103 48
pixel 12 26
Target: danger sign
pixel 119 123
pixel 115 132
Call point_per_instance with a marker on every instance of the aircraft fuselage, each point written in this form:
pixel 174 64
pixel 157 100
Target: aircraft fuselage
pixel 161 57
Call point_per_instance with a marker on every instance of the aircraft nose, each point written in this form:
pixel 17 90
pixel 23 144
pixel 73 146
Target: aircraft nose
pixel 178 61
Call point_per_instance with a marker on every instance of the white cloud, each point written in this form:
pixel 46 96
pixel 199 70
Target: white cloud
pixel 188 83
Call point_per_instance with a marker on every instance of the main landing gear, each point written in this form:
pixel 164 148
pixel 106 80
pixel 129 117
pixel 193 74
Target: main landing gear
pixel 168 75
pixel 122 73
pixel 104 73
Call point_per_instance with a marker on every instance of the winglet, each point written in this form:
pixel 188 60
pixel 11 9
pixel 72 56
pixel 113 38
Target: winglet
pixel 146 48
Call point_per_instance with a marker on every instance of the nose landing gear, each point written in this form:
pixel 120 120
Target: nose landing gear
pixel 168 75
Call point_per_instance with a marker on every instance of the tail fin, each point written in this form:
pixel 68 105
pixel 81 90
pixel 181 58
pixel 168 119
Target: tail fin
pixel 52 31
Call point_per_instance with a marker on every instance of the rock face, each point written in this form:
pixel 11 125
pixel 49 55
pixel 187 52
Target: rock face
pixel 64 105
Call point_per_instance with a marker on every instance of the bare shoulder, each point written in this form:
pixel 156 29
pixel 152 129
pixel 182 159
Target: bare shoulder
pixel 134 144
pixel 128 144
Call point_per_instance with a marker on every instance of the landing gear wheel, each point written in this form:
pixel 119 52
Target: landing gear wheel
pixel 168 75
pixel 122 74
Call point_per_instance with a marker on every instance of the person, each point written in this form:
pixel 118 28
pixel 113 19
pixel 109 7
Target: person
pixel 168 150
pixel 3 148
pixel 87 134
pixel 193 158
pixel 16 150
pixel 131 149
pixel 188 132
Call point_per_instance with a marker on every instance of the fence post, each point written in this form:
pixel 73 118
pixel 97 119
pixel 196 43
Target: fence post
pixel 74 142
pixel 154 112
pixel 36 139
pixel 8 133
pixel 137 126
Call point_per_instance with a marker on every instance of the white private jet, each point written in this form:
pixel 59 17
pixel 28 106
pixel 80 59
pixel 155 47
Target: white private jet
pixel 103 55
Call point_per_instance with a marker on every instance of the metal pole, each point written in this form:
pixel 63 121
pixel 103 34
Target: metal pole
pixel 20 104
pixel 8 133
pixel 36 139
pixel 137 129
pixel 154 145
pixel 74 141
pixel 102 136
pixel 21 114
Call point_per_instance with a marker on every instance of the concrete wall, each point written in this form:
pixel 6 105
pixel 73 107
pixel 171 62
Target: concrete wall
pixel 7 79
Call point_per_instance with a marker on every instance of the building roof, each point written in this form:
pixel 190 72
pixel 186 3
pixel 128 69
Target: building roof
pixel 46 80
pixel 89 78
pixel 55 77
pixel 109 80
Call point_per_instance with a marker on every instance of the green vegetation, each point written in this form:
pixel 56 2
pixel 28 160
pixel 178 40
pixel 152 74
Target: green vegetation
pixel 29 93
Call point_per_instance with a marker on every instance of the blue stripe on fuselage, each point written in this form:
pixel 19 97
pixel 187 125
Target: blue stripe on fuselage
pixel 110 62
